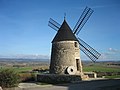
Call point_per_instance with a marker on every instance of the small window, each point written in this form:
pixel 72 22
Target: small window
pixel 76 44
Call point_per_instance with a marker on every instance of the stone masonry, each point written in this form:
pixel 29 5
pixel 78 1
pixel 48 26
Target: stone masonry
pixel 64 55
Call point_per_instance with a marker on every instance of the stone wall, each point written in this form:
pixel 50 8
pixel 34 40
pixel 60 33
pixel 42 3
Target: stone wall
pixel 56 78
pixel 63 55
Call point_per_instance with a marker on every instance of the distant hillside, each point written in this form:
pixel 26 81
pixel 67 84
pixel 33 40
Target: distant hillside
pixel 22 56
pixel 22 59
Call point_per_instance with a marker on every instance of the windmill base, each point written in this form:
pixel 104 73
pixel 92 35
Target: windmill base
pixel 57 79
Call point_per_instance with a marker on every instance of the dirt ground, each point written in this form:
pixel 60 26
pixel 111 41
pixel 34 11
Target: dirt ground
pixel 109 84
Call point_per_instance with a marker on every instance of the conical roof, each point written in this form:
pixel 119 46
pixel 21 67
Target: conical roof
pixel 64 33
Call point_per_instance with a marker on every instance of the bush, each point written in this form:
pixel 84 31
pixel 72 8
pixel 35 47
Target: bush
pixel 27 77
pixel 8 78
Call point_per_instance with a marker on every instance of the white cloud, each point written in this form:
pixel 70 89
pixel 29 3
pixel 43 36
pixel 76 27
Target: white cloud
pixel 113 50
pixel 26 56
pixel 110 54
pixel 103 6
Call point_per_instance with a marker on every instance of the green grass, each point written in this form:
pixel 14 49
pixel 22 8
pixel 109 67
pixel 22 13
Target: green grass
pixel 100 69
pixel 112 77
pixel 18 69
pixel 21 69
pixel 97 68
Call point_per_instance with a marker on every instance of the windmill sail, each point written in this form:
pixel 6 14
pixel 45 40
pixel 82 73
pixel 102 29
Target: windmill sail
pixel 88 50
pixel 53 24
pixel 82 20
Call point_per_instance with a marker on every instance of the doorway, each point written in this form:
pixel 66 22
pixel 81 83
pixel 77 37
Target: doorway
pixel 78 64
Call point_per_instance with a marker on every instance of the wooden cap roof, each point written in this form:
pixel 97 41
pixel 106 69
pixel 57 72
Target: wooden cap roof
pixel 64 33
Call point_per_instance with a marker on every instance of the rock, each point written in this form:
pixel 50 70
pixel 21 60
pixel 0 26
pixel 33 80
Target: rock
pixel 1 88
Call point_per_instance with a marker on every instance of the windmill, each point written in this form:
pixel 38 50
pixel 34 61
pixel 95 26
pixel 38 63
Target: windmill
pixel 64 56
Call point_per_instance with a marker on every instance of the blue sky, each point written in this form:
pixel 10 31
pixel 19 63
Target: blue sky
pixel 24 26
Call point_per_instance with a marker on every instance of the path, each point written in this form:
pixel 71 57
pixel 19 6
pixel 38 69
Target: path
pixel 113 84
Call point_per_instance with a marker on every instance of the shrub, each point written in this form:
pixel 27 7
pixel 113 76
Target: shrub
pixel 8 78
pixel 26 77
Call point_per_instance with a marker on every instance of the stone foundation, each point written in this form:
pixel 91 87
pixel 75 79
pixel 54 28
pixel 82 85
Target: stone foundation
pixel 55 78
pixel 91 74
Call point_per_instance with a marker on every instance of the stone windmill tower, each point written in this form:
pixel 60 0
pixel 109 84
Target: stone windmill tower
pixel 65 55
pixel 66 46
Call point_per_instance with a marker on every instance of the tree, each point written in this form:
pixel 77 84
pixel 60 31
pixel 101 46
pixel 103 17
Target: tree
pixel 8 78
